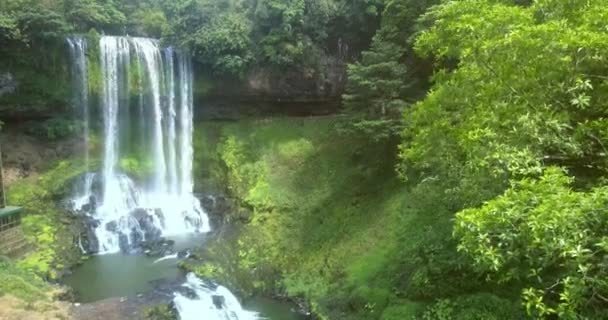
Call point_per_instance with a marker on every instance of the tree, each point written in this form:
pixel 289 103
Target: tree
pixel 520 90
pixel 382 83
pixel 9 30
pixel 217 32
pixel 548 236
pixel 99 14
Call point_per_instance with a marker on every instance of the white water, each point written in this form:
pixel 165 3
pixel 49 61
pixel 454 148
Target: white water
pixel 203 307
pixel 80 86
pixel 168 257
pixel 154 135
pixel 160 124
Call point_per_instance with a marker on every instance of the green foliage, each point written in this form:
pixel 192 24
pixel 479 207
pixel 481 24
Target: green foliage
pixel 21 284
pixel 160 312
pixel 545 234
pixel 377 84
pixel 515 101
pixel 230 36
pixel 382 83
pixel 87 14
pixel 148 22
pixel 475 307
pixel 43 224
pixel 405 310
pixel 55 128
pixel 333 224
pixel 32 35
pixel 136 167
pixel 217 32
pixel 9 30
pixel 225 43
pixel 516 92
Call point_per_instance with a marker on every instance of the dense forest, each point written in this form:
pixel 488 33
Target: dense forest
pixel 464 175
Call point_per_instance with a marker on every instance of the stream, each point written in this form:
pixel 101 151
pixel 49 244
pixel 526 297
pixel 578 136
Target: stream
pixel 137 275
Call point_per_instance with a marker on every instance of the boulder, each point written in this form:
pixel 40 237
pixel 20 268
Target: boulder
pixel 89 242
pixel 146 225
pixel 183 254
pixel 123 242
pixel 188 292
pixel 218 301
pixel 112 226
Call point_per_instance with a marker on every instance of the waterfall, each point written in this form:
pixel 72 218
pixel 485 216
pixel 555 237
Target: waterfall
pixel 210 303
pixel 80 86
pixel 147 108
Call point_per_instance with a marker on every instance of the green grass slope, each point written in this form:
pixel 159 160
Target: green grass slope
pixel 333 224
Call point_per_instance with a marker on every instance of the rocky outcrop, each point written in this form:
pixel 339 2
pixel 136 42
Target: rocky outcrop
pixel 326 82
pixel 8 84
pixel 221 209
pixel 24 156
pixel 269 91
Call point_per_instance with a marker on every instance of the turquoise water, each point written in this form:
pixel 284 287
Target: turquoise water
pixel 118 275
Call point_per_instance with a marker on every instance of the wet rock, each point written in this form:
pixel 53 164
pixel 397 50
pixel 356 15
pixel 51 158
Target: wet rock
pixel 188 292
pixel 136 238
pixel 123 242
pixel 221 210
pixel 88 238
pixel 194 221
pixel 112 226
pixel 208 203
pixel 183 254
pixel 145 221
pixel 216 206
pixel 209 283
pixel 90 207
pixel 8 84
pixel 218 301
pixel 161 217
pixel 158 248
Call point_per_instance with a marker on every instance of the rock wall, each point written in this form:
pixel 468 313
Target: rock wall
pixel 301 84
pixel 268 91
pixel 24 156
pixel 8 84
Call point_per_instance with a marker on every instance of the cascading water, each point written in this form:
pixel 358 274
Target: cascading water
pixel 147 109
pixel 157 201
pixel 210 303
pixel 151 134
pixel 77 48
pixel 80 86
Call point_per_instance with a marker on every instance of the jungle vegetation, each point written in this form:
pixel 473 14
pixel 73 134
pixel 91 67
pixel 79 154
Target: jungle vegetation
pixel 465 178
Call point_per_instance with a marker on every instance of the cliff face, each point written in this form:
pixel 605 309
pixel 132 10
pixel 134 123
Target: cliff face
pixel 297 84
pixel 267 91
pixel 263 90
pixel 8 84
pixel 24 156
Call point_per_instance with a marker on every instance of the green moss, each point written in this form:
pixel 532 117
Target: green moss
pixel 45 226
pixel 137 168
pixel 20 283
pixel 160 312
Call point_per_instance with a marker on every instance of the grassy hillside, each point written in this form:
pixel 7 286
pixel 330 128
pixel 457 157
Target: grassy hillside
pixel 333 224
